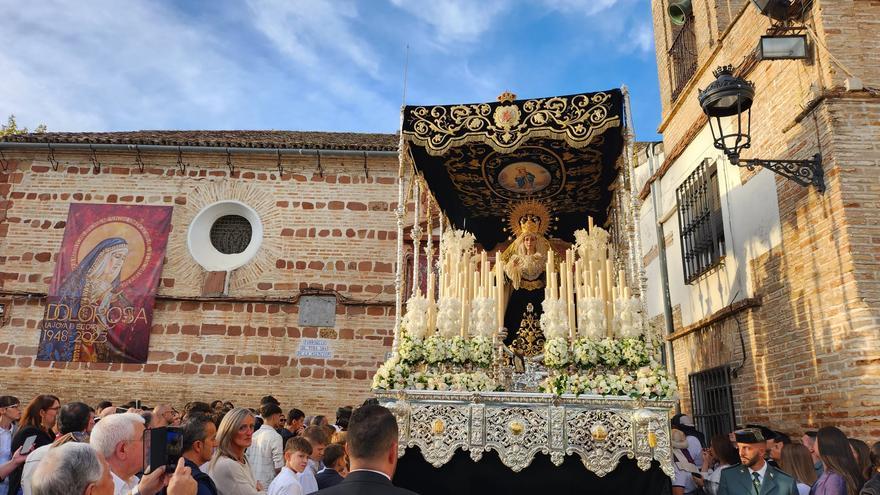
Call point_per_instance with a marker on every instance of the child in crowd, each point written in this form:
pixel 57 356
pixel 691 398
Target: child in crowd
pixel 296 459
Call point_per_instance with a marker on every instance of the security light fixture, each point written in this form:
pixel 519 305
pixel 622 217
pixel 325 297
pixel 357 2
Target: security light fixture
pixel 779 10
pixel 787 47
pixel 732 96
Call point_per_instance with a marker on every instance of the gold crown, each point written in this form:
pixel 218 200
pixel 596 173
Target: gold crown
pixel 506 97
pixel 529 225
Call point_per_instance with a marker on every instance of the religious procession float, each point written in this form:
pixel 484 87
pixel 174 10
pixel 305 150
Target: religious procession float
pixel 522 360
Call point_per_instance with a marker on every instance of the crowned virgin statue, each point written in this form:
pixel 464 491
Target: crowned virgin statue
pixel 524 266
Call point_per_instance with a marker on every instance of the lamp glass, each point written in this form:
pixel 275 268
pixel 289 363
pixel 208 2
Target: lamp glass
pixel 783 47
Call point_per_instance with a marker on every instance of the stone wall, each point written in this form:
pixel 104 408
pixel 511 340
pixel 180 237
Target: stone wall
pixel 332 234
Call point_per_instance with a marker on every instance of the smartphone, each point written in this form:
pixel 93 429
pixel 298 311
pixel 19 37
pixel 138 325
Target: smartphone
pixel 28 444
pixel 162 447
pixel 120 410
pixel 697 475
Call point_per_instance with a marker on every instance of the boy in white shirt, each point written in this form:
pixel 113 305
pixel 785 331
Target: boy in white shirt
pixel 296 458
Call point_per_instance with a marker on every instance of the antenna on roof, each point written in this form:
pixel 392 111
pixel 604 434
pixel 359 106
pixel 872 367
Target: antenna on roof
pixel 405 71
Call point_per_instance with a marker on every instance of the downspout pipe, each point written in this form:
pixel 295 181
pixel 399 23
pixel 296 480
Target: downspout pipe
pixel 668 353
pixel 166 148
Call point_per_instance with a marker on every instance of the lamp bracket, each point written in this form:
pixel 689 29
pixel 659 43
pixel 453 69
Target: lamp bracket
pixel 804 172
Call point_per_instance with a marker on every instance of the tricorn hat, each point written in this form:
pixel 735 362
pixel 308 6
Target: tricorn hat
pixel 749 435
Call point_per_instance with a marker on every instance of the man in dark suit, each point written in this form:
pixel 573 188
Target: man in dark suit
pixel 754 476
pixel 372 451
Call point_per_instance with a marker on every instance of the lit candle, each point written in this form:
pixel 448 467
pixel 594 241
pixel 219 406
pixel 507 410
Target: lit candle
pixel 569 293
pixel 499 290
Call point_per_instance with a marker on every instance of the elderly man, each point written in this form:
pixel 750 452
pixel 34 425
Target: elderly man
pixel 120 439
pixel 77 469
pixel 72 469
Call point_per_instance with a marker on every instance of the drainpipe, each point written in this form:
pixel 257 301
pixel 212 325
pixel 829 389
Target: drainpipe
pixel 668 354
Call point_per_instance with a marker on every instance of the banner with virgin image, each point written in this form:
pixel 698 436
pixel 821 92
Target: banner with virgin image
pixel 100 303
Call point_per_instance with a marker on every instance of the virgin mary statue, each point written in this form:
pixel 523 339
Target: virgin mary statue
pixel 524 265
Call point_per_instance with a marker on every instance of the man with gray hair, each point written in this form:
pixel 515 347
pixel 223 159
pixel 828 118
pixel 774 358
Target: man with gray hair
pixel 120 439
pixel 72 469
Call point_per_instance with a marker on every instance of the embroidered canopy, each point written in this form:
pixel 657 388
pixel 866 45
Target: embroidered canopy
pixel 480 159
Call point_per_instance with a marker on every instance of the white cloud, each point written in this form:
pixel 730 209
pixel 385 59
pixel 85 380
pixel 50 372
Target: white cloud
pixel 640 39
pixel 314 31
pixel 111 65
pixel 454 21
pixel 584 7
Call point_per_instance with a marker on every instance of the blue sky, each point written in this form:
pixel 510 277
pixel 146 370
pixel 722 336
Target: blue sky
pixel 328 65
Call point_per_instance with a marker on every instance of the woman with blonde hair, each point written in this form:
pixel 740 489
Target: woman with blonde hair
pixel 797 462
pixel 229 467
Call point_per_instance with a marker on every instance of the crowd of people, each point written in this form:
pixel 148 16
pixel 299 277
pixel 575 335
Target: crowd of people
pixel 47 448
pixel 756 460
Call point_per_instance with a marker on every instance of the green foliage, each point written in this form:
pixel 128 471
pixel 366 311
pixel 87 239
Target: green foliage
pixel 11 127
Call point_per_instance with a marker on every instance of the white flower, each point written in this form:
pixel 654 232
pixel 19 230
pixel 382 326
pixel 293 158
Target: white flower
pixel 449 317
pixel 481 351
pixel 483 316
pixel 591 317
pixel 554 322
pixel 628 321
pixel 415 321
pixel 458 350
pixel 556 353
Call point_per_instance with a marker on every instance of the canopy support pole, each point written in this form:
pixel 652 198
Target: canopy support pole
pixel 416 233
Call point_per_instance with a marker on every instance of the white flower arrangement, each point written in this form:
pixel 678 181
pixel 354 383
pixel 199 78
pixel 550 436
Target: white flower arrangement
pixel 410 349
pixel 593 241
pixel 416 318
pixel 585 353
pixel 649 382
pixel 436 349
pixel 392 375
pixel 591 317
pixel 481 351
pixel 609 352
pixel 458 350
pixel 554 322
pixel 456 241
pixel 483 316
pixel 628 321
pixel 556 353
pixel 449 317
pixel 634 352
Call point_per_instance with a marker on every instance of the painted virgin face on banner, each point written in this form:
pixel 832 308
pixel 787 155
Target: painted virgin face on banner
pixel 100 304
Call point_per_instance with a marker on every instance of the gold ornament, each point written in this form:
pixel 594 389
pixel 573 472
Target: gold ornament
pixel 529 216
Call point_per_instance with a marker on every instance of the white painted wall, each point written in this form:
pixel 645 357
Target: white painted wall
pixel 751 228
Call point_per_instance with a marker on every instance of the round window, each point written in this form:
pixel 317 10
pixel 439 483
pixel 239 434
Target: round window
pixel 231 234
pixel 225 235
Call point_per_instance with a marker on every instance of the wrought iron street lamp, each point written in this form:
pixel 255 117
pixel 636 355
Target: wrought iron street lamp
pixel 731 96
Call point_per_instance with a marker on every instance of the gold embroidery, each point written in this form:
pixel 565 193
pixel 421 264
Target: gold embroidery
pixel 529 339
pixel 531 284
pixel 576 119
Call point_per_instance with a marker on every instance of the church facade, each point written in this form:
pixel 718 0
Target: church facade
pixel 773 310
pixel 308 316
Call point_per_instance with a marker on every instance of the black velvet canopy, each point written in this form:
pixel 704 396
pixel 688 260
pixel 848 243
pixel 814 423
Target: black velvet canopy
pixel 480 159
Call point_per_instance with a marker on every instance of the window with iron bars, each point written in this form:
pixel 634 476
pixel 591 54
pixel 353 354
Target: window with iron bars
pixel 712 401
pixel 700 223
pixel 682 56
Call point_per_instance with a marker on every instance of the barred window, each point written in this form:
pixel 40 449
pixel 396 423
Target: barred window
pixel 712 401
pixel 682 56
pixel 231 234
pixel 700 222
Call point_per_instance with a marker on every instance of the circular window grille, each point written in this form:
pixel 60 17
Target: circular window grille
pixel 231 234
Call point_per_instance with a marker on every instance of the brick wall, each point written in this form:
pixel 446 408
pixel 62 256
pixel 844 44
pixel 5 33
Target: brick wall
pixel 812 349
pixel 334 234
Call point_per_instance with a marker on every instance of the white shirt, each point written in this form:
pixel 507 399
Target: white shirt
pixel 266 454
pixel 803 488
pixel 761 472
pixel 5 454
pixel 713 480
pixel 121 487
pixel 695 450
pixel 307 478
pixel 285 483
pixel 30 465
pixel 683 479
pixel 372 471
